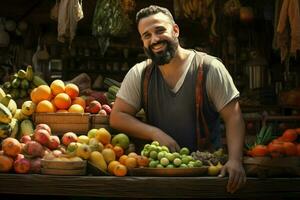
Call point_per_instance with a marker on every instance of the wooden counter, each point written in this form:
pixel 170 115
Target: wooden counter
pixel 145 187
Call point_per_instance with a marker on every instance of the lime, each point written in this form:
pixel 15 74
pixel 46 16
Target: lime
pixel 160 166
pixel 147 146
pixel 170 157
pixel 165 148
pixel 153 163
pixel 161 154
pixel 185 160
pixel 176 154
pixel 153 155
pixel 198 163
pixel 177 162
pixel 156 143
pixel 170 166
pixel 183 166
pixel 184 151
pixel 164 161
pixel 145 152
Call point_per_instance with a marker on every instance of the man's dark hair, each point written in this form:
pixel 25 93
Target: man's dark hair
pixel 152 10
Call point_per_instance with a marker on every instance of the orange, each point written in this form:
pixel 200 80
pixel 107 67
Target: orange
pixel 62 101
pixel 142 161
pixel 118 150
pixel 120 170
pixel 80 101
pixel 57 86
pixel 111 166
pixel 76 108
pixel 122 159
pixel 132 155
pixel 131 163
pixel 11 147
pixel 42 92
pixel 44 107
pixel 72 90
pixel 6 163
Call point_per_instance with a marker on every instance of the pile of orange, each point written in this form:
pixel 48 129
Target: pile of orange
pixel 58 97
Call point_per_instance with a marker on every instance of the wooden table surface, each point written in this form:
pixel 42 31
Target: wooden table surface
pixel 145 187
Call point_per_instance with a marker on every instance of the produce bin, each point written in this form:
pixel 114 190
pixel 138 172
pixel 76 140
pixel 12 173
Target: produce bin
pixel 61 123
pixel 99 121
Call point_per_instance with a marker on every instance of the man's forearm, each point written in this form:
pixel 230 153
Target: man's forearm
pixel 132 126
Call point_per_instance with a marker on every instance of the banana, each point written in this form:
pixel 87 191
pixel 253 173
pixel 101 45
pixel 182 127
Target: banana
pixel 5 114
pixel 5 130
pixel 14 124
pixel 21 74
pixel 29 73
pixel 28 107
pixel 5 100
pixel 2 93
pixel 37 81
pixel 19 115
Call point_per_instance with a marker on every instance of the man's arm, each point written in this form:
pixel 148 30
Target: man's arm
pixel 123 119
pixel 235 133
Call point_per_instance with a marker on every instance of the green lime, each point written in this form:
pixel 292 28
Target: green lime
pixel 170 166
pixel 153 163
pixel 170 157
pixel 153 155
pixel 161 154
pixel 156 143
pixel 164 161
pixel 184 151
pixel 177 162
pixel 183 166
pixel 198 163
pixel 165 148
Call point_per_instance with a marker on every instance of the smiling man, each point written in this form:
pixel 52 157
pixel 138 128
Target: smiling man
pixel 183 92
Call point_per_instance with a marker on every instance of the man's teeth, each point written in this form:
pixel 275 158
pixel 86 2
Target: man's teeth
pixel 157 46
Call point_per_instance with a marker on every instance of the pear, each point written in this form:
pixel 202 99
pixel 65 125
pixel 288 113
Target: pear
pixel 98 160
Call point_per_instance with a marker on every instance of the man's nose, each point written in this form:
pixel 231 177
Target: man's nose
pixel 154 39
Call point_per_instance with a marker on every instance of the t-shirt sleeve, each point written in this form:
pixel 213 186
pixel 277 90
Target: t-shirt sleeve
pixel 130 90
pixel 220 86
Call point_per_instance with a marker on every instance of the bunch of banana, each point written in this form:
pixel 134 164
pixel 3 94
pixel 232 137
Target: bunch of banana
pixel 22 82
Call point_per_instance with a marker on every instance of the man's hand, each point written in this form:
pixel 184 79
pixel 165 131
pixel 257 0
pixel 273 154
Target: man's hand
pixel 165 139
pixel 237 175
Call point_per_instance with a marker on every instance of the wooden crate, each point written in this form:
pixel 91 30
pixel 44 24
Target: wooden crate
pixel 99 121
pixel 61 123
pixel 272 167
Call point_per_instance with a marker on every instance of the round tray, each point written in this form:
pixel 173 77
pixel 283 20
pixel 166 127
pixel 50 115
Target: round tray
pixel 196 171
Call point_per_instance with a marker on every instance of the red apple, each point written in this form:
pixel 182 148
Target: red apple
pixel 34 149
pixel 68 138
pixel 94 106
pixel 107 108
pixel 42 136
pixel 54 142
pixel 22 166
pixel 25 138
pixel 43 126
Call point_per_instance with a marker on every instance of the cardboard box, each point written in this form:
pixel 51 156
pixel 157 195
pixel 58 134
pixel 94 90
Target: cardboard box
pixel 61 123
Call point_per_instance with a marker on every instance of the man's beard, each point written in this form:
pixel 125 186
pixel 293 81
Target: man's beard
pixel 166 55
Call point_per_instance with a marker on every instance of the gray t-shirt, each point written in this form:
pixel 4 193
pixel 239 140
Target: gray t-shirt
pixel 219 84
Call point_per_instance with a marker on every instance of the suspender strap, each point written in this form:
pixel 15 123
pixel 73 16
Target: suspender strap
pixel 145 83
pixel 202 142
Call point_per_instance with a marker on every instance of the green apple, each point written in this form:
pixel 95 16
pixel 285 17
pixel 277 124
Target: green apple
pixel 121 140
pixel 83 139
pixel 184 151
pixel 92 133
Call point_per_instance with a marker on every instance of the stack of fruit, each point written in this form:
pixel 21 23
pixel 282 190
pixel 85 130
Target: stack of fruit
pixel 15 120
pixel 24 156
pixel 22 83
pixel 161 157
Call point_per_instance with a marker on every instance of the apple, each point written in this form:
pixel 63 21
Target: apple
pixel 34 149
pixel 72 147
pixel 54 142
pixel 102 112
pixel 94 107
pixel 42 136
pixel 83 151
pixel 69 137
pixel 43 126
pixel 25 138
pixel 107 108
pixel 83 139
pixel 121 140
pixel 22 166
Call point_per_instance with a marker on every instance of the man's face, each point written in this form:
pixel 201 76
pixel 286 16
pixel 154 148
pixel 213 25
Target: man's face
pixel 159 38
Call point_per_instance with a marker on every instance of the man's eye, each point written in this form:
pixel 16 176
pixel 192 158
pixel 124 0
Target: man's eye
pixel 147 36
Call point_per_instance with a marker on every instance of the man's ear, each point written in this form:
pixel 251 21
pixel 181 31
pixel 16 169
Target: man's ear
pixel 176 30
